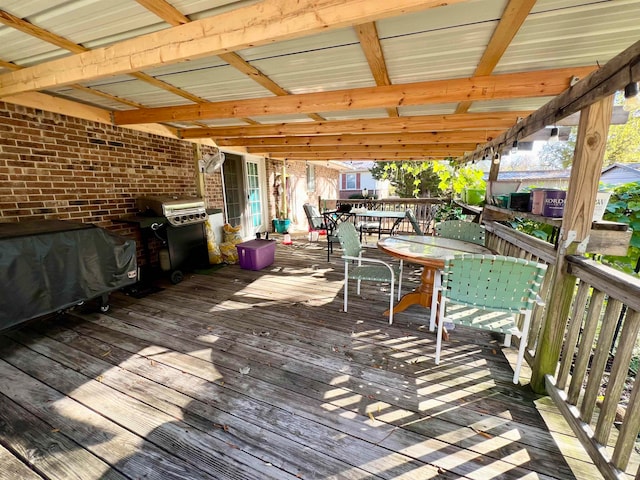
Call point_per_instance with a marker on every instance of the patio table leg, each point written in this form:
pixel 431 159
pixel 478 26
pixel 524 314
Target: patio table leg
pixel 422 295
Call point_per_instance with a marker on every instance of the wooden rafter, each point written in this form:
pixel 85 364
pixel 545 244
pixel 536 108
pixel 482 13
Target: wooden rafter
pixel 107 96
pixel 256 75
pixel 513 85
pixel 77 86
pixel 9 65
pixel 472 136
pixel 45 35
pixel 165 11
pixel 370 43
pixel 514 15
pixel 174 17
pixel 252 25
pixel 467 121
pixel 250 71
pixel 422 149
pixel 391 156
pixel 35 31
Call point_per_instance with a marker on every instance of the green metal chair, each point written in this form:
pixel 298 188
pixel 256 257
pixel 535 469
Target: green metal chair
pixel 461 230
pixel 489 292
pixel 414 222
pixel 377 271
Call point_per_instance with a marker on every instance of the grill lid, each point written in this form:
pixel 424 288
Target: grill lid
pixel 179 211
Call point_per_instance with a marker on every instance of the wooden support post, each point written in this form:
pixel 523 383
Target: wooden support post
pixel 197 156
pixel 576 225
pixel 284 209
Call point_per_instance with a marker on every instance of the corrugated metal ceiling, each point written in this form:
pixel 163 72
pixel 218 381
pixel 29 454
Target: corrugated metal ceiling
pixel 441 43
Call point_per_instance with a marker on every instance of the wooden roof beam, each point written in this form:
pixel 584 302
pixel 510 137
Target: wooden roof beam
pixel 370 43
pixel 47 36
pixel 467 121
pixel 249 26
pixel 257 76
pixel 422 149
pixel 76 86
pixel 513 85
pixel 341 156
pixel 472 136
pixel 174 17
pixel 165 11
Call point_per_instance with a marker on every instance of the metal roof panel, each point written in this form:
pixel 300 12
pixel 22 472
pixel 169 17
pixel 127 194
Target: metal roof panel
pixel 337 68
pixel 308 44
pixel 434 19
pixel 272 119
pixel 420 57
pixel 564 34
pixel 355 114
pixel 436 109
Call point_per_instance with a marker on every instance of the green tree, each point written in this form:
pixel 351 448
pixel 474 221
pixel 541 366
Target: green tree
pixel 623 144
pixel 558 155
pixel 409 179
pixel 624 207
pixel 454 178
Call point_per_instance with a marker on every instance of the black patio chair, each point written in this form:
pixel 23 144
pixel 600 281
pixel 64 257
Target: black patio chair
pixel 323 224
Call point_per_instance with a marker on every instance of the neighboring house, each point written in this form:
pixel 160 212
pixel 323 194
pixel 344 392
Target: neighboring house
pixel 618 173
pixel 358 177
pixel 536 178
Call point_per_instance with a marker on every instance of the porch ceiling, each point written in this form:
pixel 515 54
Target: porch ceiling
pixel 310 80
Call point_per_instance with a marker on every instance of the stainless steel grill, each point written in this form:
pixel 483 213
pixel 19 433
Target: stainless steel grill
pixel 179 211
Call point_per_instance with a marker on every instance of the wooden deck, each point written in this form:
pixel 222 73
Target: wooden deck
pixel 260 375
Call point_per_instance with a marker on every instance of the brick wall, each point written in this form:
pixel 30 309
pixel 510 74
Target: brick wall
pixel 58 167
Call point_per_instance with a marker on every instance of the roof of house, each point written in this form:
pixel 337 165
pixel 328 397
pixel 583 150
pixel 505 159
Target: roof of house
pixel 529 175
pixel 632 167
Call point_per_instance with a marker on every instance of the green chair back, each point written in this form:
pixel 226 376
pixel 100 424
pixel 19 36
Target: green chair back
pixel 349 241
pixel 492 282
pixel 414 222
pixel 489 292
pixel 461 230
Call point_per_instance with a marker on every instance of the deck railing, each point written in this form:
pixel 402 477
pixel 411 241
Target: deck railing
pixel 599 340
pixel 425 210
pixel 605 318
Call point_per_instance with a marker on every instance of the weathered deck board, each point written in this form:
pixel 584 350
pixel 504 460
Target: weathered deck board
pixel 159 386
pixel 13 468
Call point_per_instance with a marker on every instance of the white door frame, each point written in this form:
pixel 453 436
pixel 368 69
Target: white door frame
pixel 248 230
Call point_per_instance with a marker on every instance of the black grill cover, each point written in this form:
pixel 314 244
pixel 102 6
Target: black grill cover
pixel 49 265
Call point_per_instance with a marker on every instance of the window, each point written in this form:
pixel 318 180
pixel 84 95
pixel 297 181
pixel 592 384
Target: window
pixel 311 178
pixel 350 181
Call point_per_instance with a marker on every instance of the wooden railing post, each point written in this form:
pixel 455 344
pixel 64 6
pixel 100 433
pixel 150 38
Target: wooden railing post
pixel 576 225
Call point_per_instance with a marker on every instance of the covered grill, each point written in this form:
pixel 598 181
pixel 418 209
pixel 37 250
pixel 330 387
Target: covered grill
pixel 50 265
